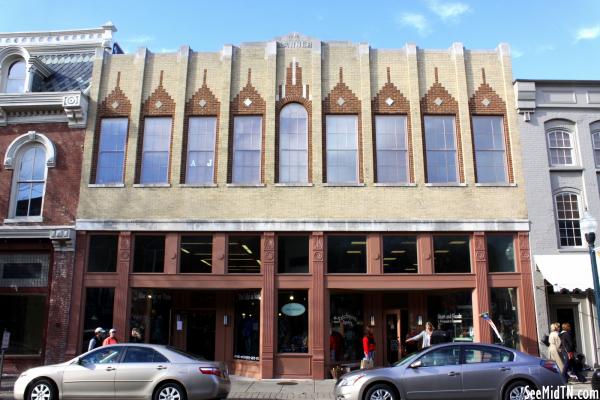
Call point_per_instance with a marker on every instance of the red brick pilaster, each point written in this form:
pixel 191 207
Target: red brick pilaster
pixel 76 312
pixel 267 301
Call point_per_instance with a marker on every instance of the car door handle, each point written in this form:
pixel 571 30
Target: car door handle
pixel 161 367
pixel 504 368
pixel 110 368
pixel 452 373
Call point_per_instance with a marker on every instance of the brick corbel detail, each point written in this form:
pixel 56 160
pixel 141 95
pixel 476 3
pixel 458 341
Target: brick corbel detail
pixel 159 104
pixel 485 94
pixel 202 104
pixel 350 106
pixel 448 106
pixel 294 93
pixel 115 105
pixel 400 106
pixel 258 107
pixel 482 290
pixel 268 299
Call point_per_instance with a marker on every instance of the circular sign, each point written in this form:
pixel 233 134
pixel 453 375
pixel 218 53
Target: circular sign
pixel 293 309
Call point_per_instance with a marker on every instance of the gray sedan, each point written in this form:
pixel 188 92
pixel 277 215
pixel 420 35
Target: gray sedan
pixel 453 371
pixel 127 371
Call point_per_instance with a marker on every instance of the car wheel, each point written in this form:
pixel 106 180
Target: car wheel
pixel 41 390
pixel 517 390
pixel 381 392
pixel 170 391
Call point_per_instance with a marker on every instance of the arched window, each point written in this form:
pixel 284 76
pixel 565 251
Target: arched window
pixel 15 82
pixel 561 147
pixel 293 144
pixel 568 219
pixel 596 144
pixel 30 179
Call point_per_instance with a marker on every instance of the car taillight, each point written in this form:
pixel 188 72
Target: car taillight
pixel 210 371
pixel 550 365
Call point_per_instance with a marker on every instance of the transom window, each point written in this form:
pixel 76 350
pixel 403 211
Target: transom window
pixel 201 150
pixel 561 147
pixel 342 148
pixel 15 82
pixel 247 144
pixel 390 139
pixel 293 144
pixel 111 150
pixel 30 183
pixel 490 159
pixel 596 144
pixel 440 143
pixel 567 216
pixel 156 148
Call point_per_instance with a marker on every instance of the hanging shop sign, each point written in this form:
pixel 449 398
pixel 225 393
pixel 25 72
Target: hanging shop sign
pixel 293 309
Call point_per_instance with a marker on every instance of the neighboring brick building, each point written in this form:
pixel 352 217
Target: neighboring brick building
pixel 250 204
pixel 44 81
pixel 560 130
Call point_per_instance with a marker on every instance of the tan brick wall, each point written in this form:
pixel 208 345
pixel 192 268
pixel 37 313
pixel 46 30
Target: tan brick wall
pixel 412 72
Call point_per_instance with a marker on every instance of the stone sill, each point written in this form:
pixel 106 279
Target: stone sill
pixel 106 185
pixel 198 185
pixel 294 184
pixel 446 185
pixel 344 185
pixel 496 185
pixel 395 185
pixel 566 168
pixel 573 249
pixel 151 185
pixel 23 220
pixel 246 185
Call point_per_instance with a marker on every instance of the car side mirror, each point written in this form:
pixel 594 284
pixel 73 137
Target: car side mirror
pixel 416 364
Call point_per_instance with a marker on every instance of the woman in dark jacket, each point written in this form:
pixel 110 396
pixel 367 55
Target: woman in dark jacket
pixel 569 349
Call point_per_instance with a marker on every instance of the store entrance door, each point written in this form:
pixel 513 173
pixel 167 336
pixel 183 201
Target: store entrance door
pixel 392 336
pixel 194 331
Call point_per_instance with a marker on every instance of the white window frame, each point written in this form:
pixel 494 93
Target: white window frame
pixel 355 149
pixel 571 137
pixel 596 146
pixel 494 150
pixel 100 152
pixel 144 151
pixel 237 150
pixel 292 108
pixel 444 150
pixel 15 184
pixel 404 150
pixel 189 150
pixel 558 220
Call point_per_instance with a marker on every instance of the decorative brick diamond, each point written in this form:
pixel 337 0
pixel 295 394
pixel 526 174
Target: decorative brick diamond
pixel 438 102
pixel 389 101
pixel 485 102
pixel 115 104
pixel 341 101
pixel 158 104
pixel 202 103
pixel 247 102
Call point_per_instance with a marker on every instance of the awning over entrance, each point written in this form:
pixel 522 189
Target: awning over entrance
pixel 567 271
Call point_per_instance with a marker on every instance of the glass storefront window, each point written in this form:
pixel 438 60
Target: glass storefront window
pixel 24 270
pixel 98 312
pixel 149 253
pixel 346 254
pixel 247 325
pixel 400 254
pixel 451 254
pixel 505 314
pixel 292 321
pixel 195 254
pixel 501 253
pixel 103 253
pixel 347 327
pixel 23 316
pixel 292 254
pixel 243 256
pixel 452 312
pixel 150 312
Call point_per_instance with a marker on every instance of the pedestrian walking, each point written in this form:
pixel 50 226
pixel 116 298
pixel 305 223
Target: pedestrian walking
pixel 424 336
pixel 554 348
pixel 368 348
pixel 111 339
pixel 96 341
pixel 569 350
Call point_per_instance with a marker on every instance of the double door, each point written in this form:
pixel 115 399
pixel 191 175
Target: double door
pixel 194 331
pixel 396 322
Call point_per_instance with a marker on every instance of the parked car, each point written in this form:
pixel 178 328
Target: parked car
pixel 453 371
pixel 127 371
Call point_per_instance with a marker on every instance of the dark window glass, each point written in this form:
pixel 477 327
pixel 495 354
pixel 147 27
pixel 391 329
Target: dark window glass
pixel 98 312
pixel 444 356
pixel 22 271
pixel 292 254
pixel 149 254
pixel 247 325
pixel 451 312
pixel 567 214
pixel 400 254
pixel 143 355
pixel 244 254
pixel 104 355
pixel 504 312
pixel 292 321
pixel 476 355
pixel 347 327
pixel 501 253
pixel 347 254
pixel 196 254
pixel 23 316
pixel 103 253
pixel 150 311
pixel 451 254
pixel 31 179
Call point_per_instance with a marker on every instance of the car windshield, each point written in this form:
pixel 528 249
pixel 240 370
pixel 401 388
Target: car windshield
pixel 184 354
pixel 408 359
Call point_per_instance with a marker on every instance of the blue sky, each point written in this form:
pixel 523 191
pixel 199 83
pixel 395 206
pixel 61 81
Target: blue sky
pixel 550 39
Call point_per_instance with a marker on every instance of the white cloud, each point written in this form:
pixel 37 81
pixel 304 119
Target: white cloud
pixel 140 39
pixel 416 21
pixel 588 33
pixel 448 11
pixel 516 53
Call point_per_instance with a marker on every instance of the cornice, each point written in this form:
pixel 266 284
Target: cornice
pixel 26 107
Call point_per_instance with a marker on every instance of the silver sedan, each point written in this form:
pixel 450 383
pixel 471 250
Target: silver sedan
pixel 454 371
pixel 127 371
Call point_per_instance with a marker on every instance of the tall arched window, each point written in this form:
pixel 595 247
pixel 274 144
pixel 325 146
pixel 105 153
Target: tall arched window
pixel 15 81
pixel 28 190
pixel 568 219
pixel 561 147
pixel 293 144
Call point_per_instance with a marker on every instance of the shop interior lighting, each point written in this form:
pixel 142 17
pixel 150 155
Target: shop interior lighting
pixel 247 249
pixel 398 251
pixel 442 251
pixel 186 251
pixel 207 263
pixel 357 243
pixel 291 297
pixel 408 242
pixel 258 261
pixel 457 242
pixel 353 252
pixel 389 259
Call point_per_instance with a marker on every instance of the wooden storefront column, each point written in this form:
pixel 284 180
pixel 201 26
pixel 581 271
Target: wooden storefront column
pixel 77 307
pixel 425 254
pixel 318 312
pixel 171 253
pixel 267 302
pixel 526 301
pixel 375 259
pixel 121 301
pixel 481 294
pixel 219 253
